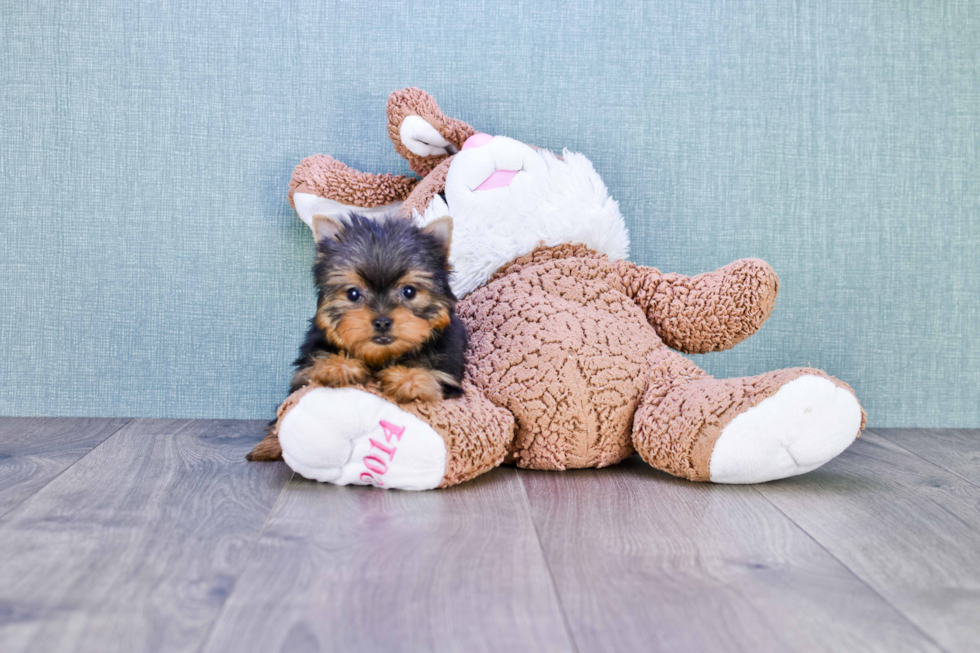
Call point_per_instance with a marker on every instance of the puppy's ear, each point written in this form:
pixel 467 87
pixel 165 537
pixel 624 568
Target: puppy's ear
pixel 442 230
pixel 326 226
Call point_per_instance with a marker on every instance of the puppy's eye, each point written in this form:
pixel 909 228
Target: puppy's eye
pixel 353 294
pixel 408 292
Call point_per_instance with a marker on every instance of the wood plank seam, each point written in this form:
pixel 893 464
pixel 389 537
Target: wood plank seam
pixel 547 565
pixel 48 482
pixel 136 547
pixel 333 559
pixel 231 591
pixel 843 564
pixel 920 457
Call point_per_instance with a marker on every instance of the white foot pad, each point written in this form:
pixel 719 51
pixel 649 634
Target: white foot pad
pixel 809 421
pixel 351 437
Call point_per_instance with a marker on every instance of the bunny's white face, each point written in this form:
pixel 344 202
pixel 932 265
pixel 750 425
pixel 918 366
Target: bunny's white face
pixel 506 199
pixel 495 176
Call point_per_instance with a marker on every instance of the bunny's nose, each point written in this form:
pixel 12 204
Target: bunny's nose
pixel 477 140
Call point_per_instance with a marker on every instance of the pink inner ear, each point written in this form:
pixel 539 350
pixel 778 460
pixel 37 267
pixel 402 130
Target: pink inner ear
pixel 499 179
pixel 477 140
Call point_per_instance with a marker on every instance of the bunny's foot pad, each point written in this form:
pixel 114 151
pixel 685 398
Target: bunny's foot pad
pixel 346 436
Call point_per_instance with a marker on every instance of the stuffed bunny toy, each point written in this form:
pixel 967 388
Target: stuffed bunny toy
pixel 573 351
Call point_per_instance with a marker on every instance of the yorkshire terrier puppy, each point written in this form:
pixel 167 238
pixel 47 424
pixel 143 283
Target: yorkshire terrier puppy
pixel 385 312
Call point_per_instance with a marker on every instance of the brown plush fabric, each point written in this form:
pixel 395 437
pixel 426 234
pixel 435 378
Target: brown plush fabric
pixel 555 340
pixel 475 431
pixel 416 102
pixel 713 311
pixel 681 417
pixel 563 339
pixel 327 177
pixel 570 343
pixel 434 183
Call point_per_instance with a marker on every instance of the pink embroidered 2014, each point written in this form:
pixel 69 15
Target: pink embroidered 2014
pixel 377 465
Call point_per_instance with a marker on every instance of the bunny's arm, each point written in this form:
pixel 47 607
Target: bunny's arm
pixel 713 311
pixel 323 185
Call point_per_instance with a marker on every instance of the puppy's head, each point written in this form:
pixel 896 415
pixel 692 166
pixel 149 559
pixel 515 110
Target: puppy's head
pixel 383 284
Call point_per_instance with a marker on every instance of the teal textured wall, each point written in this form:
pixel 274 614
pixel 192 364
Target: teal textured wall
pixel 151 266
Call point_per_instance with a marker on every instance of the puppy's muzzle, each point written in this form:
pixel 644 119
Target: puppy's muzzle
pixel 382 326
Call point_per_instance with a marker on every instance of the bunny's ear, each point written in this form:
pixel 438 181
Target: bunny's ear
pixel 422 139
pixel 420 132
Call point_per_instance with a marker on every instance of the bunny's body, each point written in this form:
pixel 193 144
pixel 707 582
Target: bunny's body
pixel 571 361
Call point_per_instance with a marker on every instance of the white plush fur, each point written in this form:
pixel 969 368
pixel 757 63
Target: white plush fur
pixel 550 202
pixel 328 434
pixel 806 423
pixel 422 139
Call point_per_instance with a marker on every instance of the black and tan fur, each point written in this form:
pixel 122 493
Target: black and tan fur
pixel 385 313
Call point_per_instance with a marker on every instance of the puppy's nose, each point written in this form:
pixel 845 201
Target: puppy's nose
pixel 382 324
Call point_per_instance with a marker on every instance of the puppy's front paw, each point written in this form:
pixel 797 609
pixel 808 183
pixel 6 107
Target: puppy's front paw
pixel 333 371
pixel 405 384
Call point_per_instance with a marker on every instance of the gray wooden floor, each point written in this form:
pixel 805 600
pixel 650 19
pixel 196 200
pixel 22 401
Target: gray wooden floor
pixel 156 535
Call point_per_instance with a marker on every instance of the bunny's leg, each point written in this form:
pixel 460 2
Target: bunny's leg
pixel 350 436
pixel 743 430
